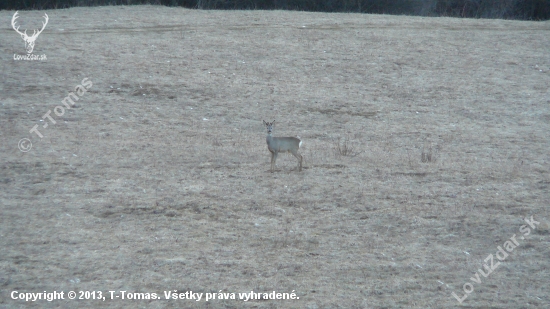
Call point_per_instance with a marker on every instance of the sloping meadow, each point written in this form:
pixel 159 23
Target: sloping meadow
pixel 425 145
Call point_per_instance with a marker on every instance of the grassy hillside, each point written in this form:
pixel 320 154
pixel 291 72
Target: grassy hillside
pixel 425 143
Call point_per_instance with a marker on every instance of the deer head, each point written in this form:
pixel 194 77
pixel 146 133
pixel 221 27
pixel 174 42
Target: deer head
pixel 29 40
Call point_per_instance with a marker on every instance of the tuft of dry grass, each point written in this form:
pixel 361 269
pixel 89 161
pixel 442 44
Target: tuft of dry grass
pixel 345 147
pixel 159 180
pixel 427 155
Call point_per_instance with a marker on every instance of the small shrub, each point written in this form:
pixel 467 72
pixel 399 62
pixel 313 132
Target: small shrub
pixel 345 148
pixel 427 155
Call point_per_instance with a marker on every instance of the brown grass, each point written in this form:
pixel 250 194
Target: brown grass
pixel 134 190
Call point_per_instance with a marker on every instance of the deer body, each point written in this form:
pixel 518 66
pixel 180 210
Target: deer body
pixel 275 145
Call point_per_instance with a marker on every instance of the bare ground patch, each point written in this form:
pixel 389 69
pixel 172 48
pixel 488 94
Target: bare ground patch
pixel 159 178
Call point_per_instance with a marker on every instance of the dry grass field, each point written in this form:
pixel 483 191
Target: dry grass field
pixel 425 144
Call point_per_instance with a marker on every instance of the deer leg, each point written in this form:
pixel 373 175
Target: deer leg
pixel 273 160
pixel 299 157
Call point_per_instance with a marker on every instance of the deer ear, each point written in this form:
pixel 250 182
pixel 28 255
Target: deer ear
pixel 273 122
pixel 264 122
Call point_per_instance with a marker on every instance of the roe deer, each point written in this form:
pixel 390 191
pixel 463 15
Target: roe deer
pixel 282 144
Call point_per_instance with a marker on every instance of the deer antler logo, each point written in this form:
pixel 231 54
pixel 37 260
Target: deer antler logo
pixel 29 40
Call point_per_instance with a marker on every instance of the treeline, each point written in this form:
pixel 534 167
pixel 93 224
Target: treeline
pixel 505 9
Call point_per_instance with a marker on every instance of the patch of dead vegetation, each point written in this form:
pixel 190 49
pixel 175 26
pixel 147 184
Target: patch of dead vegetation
pixel 423 139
